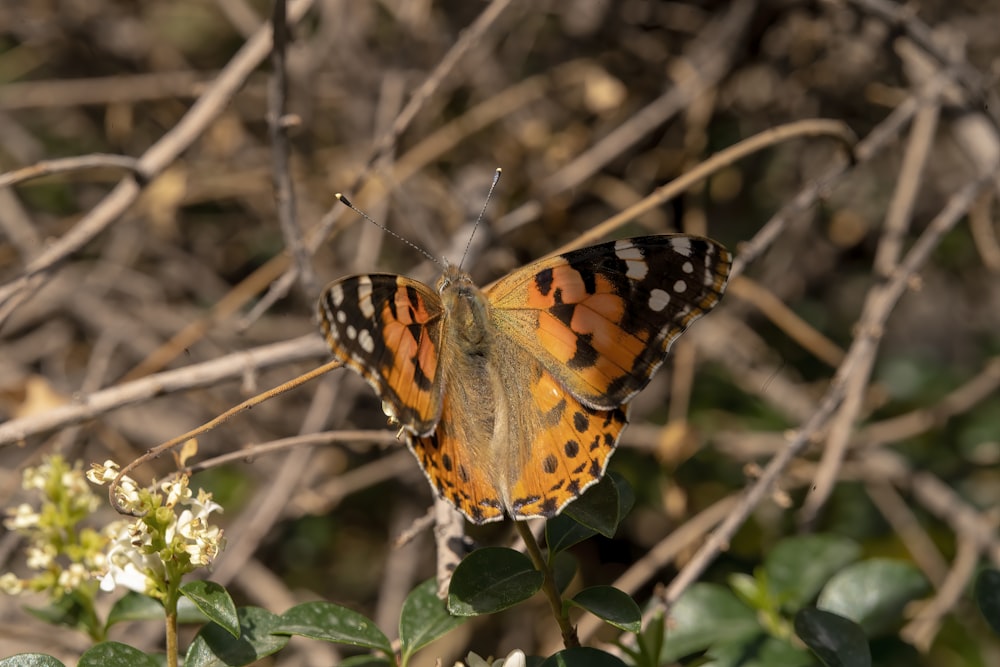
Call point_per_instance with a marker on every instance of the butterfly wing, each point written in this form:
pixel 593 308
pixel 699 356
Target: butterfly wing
pixel 562 448
pixel 387 329
pixel 601 319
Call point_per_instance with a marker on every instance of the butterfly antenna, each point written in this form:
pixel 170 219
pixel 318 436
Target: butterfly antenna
pixel 347 202
pixel 475 226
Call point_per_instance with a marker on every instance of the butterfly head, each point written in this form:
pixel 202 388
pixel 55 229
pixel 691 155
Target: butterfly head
pixel 466 306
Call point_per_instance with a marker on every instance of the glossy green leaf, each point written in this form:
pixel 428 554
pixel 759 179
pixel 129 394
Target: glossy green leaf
pixel 836 641
pixel 564 568
pixel 626 495
pixel 331 623
pixel 214 601
pixel 563 532
pixel 30 660
pixel 597 508
pixel 491 580
pixel 988 597
pixel 611 605
pixel 706 615
pixel 115 654
pixel 582 656
pixel 215 647
pixel 135 607
pixel 763 651
pixel 872 593
pixel 424 618
pixel 798 567
pixel 74 610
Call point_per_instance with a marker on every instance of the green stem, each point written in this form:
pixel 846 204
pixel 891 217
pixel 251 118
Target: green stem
pixel 170 607
pixel 549 588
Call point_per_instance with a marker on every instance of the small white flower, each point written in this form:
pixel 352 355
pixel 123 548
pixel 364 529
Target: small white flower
pixel 10 584
pixel 22 517
pixel 36 478
pixel 40 556
pixel 73 577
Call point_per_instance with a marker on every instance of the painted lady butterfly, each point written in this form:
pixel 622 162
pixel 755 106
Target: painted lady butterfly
pixel 513 397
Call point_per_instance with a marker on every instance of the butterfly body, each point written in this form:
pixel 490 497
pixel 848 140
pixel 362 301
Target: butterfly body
pixel 513 398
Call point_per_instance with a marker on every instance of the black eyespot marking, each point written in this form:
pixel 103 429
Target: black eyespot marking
pixel 585 355
pixel 543 281
pixel 463 474
pixel 549 464
pixel 548 508
pixel 580 422
pixel 446 462
pixel 572 448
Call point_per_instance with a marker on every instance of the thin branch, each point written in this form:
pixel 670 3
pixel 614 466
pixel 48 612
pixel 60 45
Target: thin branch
pixel 229 367
pixel 63 165
pixel 277 121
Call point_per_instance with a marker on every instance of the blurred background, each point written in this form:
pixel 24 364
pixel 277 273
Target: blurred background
pixel 587 106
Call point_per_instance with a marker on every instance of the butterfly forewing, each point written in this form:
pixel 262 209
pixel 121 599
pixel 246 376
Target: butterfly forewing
pixel 602 318
pixel 387 328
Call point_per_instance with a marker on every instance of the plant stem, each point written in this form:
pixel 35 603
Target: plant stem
pixel 170 607
pixel 568 630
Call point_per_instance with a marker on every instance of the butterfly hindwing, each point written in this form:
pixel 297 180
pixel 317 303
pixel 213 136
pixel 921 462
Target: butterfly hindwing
pixel 601 319
pixel 387 328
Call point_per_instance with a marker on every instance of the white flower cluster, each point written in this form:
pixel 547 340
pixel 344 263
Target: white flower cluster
pixel 171 538
pixel 62 553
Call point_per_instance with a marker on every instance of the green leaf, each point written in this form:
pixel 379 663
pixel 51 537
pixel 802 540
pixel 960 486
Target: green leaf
pixel 582 656
pixel 564 567
pixel 707 614
pixel 215 647
pixel 611 606
pixel 331 623
pixel 74 610
pixel 490 580
pixel 114 654
pixel 563 532
pixel 30 660
pixel 836 641
pixel 872 593
pixel 988 597
pixel 764 651
pixel 597 508
pixel 798 567
pixel 135 607
pixel 213 600
pixel 626 495
pixel 424 618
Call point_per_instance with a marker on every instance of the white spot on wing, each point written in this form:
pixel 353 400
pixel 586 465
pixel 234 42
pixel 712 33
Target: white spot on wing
pixel 687 267
pixel 658 300
pixel 682 246
pixel 352 333
pixel 680 287
pixel 633 258
pixel 365 297
pixel 337 294
pixel 366 341
pixel 341 316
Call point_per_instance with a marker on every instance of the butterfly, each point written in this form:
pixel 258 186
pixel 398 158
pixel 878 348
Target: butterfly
pixel 513 397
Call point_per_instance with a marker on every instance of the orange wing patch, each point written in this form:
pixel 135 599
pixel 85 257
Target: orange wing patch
pixel 567 456
pixel 387 329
